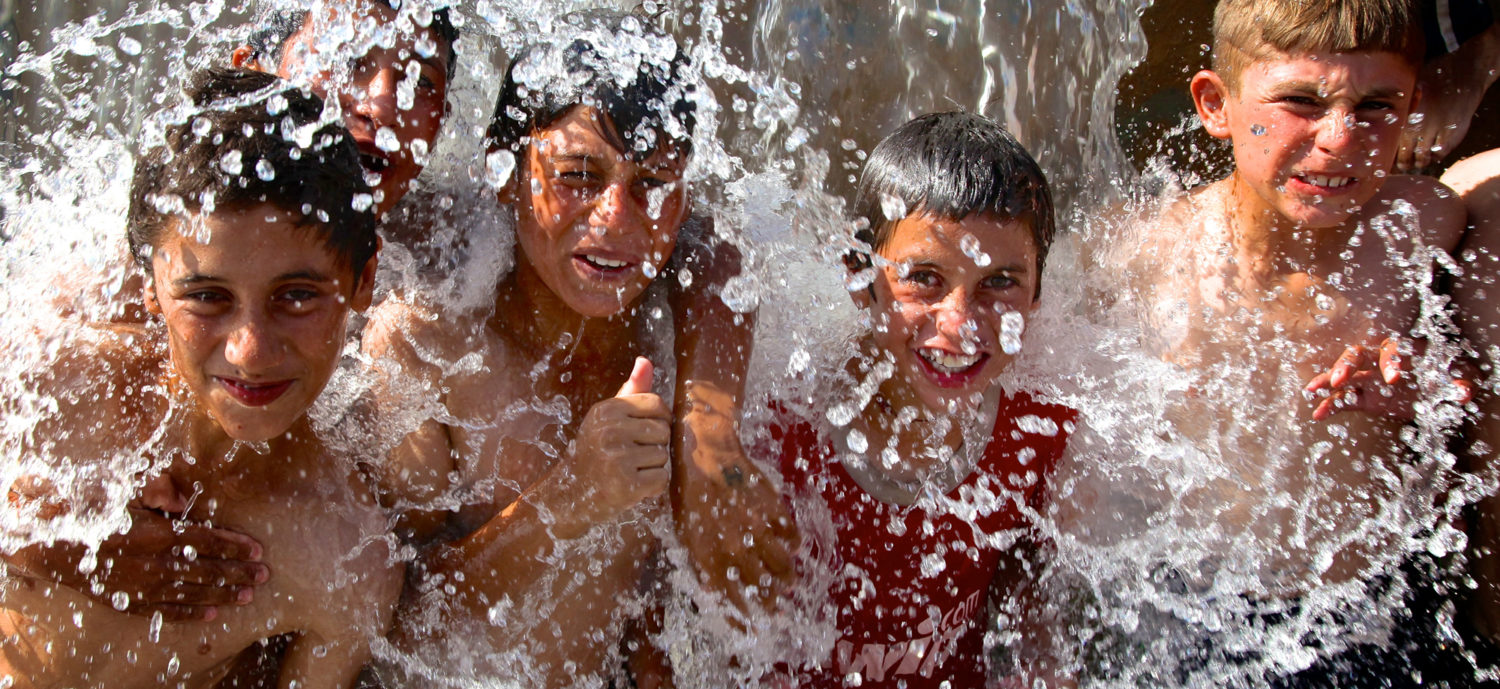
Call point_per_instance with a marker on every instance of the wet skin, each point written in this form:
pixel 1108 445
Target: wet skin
pixel 1314 135
pixel 938 312
pixel 367 89
pixel 255 320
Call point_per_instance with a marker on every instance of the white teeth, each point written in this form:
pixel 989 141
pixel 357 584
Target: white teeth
pixel 948 362
pixel 1325 181
pixel 605 263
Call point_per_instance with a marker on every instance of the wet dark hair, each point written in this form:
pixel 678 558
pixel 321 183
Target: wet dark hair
pixel 546 80
pixel 254 117
pixel 952 165
pixel 269 39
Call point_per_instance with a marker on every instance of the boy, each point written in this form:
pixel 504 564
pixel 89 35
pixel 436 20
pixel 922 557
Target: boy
pixel 916 546
pixel 1258 283
pixel 253 275
pixel 546 444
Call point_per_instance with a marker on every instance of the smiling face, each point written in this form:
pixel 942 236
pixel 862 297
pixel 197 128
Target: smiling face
pixel 255 309
pixel 938 312
pixel 1313 134
pixel 401 88
pixel 594 226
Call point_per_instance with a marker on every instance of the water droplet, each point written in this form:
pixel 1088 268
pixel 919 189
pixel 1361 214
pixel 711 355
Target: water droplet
pixel 970 246
pixel 232 162
pixel 264 170
pixel 201 126
pixel 685 278
pixel 892 206
pixel 797 139
pixel 799 360
pixel 1415 118
pixel 649 270
pixel 153 630
pixel 848 144
pixel 129 46
pixel 419 151
pixel 857 442
pixel 1258 129
pixel 119 600
pixel 840 415
pixel 385 140
pixel 362 202
pixel 275 105
pixel 1012 326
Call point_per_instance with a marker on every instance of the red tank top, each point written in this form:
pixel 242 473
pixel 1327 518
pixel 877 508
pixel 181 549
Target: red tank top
pixel 913 581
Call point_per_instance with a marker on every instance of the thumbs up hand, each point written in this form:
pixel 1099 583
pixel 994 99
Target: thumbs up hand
pixel 619 457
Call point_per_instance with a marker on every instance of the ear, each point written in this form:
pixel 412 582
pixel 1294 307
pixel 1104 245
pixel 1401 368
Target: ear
pixel 364 284
pixel 245 57
pixel 148 295
pixel 1211 98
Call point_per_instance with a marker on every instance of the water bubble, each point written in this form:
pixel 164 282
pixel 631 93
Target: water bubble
pixel 970 246
pixel 119 600
pixel 173 665
pixel 275 105
pixel 933 564
pixel 129 46
pixel 264 170
pixel 649 270
pixel 201 126
pixel 232 162
pixel 153 630
pixel 797 139
pixel 799 360
pixel 1012 326
pixel 1039 425
pixel 1258 129
pixel 685 278
pixel 740 294
pixel 385 140
pixel 498 166
pixel 419 151
pixel 848 144
pixel 361 202
pixel 1415 118
pixel 840 415
pixel 857 442
pixel 892 206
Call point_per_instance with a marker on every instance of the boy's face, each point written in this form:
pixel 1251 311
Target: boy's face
pixel 255 309
pixel 1313 134
pixel 595 226
pixel 394 88
pixel 937 310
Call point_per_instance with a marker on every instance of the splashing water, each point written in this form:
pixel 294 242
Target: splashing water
pixel 1157 584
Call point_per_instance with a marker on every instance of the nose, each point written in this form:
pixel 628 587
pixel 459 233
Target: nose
pixel 955 316
pixel 1336 131
pixel 378 99
pixel 615 210
pixel 253 347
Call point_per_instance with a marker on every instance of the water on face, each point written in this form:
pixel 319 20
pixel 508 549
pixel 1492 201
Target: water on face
pixel 1153 583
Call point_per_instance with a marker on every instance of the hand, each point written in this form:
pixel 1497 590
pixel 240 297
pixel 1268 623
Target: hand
pixel 180 569
pixel 620 453
pixel 731 520
pixel 1388 390
pixel 1452 87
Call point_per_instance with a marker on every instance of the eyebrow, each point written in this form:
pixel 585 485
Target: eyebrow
pixel 303 275
pixel 927 262
pixel 1314 87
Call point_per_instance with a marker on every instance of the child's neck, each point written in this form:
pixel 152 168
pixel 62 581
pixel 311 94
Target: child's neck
pixel 1266 242
pixel 530 315
pixel 208 449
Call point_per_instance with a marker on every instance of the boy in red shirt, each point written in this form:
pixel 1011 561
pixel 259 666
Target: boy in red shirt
pixel 935 481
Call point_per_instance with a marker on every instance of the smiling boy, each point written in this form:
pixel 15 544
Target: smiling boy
pixel 554 453
pixel 916 548
pixel 1258 283
pixel 252 280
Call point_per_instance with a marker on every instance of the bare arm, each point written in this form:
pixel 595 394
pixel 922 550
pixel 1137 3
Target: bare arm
pixel 1017 598
pixel 1451 88
pixel 314 663
pixel 719 497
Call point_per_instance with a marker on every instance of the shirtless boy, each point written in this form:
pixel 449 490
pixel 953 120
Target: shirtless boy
pixel 938 430
pixel 1258 283
pixel 558 453
pixel 252 290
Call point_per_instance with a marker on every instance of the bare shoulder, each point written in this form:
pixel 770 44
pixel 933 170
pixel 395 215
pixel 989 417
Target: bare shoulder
pixel 1469 175
pixel 97 376
pixel 416 337
pixel 1439 213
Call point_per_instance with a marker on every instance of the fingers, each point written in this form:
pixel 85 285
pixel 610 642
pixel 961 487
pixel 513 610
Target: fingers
pixel 1350 362
pixel 640 378
pixel 218 544
pixel 160 493
pixel 1391 361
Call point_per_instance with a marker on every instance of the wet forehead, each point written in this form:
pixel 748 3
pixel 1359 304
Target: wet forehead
pixel 257 243
pixel 1361 75
pixel 350 23
pixel 585 133
pixel 924 238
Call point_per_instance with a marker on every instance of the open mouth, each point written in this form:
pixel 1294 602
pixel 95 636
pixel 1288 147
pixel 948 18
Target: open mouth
pixel 602 266
pixel 254 394
pixel 950 369
pixel 1326 183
